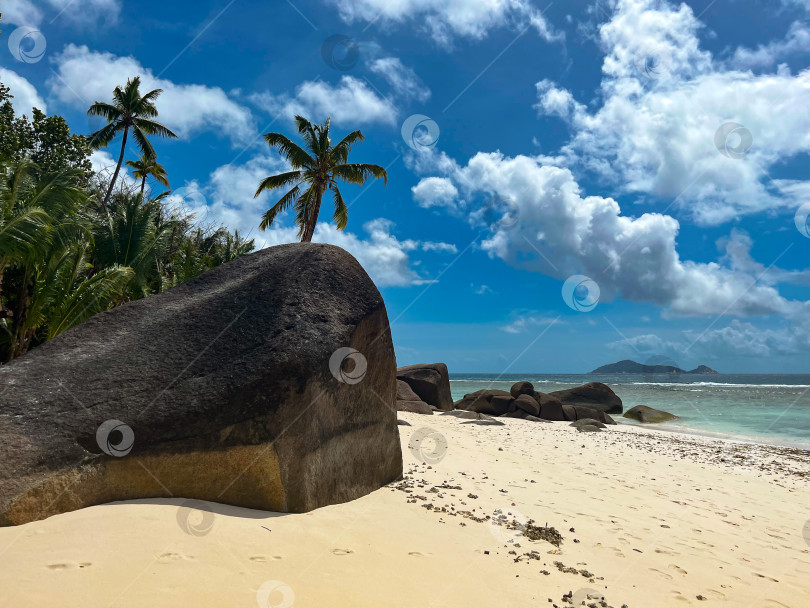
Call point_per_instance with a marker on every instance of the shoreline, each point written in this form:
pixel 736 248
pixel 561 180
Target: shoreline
pixel 639 517
pixel 668 427
pixel 636 392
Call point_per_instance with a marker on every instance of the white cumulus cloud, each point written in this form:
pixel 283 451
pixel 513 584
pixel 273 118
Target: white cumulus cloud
pixel 25 94
pixel 350 102
pixel 561 232
pixel 83 76
pixel 664 104
pixel 445 20
pixel 403 80
pixel 82 12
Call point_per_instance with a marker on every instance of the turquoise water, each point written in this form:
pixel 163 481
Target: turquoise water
pixel 769 408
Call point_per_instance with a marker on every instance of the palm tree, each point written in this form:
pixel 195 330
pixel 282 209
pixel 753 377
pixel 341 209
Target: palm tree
pixel 134 238
pixel 28 205
pixel 316 170
pixel 145 166
pixel 129 110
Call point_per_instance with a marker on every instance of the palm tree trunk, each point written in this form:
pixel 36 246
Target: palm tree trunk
pixel 117 169
pixel 4 314
pixel 313 218
pixel 20 340
pixel 143 185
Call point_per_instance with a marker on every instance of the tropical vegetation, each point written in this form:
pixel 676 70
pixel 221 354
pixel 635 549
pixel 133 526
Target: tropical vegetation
pixel 315 170
pixel 74 242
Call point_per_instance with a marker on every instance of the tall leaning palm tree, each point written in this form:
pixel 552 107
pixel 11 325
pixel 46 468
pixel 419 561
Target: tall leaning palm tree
pixel 145 166
pixel 315 170
pixel 129 110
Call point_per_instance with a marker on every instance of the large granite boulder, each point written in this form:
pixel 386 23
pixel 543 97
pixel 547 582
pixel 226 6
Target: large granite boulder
pixel 481 401
pixel 266 383
pixel 594 395
pixel 430 381
pixel 646 414
pixel 467 415
pixel 569 413
pixel 588 422
pixel 405 392
pixel 584 413
pixel 521 388
pixel 550 407
pixel 415 407
pixel 522 414
pixel 528 404
pixel 502 404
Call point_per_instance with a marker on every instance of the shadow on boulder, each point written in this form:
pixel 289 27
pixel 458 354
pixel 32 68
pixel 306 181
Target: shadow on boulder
pixel 267 383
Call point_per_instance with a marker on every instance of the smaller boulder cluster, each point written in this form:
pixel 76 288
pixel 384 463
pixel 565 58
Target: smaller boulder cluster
pixel 424 388
pixel 586 406
pixel 647 415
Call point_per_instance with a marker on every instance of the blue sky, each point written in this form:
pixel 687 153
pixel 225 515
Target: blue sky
pixel 649 158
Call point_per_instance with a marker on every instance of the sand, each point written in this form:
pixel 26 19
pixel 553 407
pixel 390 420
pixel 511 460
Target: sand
pixel 647 519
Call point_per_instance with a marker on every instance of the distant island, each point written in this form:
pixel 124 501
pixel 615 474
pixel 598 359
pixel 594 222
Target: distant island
pixel 631 367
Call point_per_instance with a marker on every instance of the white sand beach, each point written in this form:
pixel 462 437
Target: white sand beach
pixel 648 519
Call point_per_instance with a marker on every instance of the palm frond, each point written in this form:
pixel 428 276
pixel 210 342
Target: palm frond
pixel 279 181
pixel 283 203
pixel 298 158
pixel 93 295
pixel 340 153
pixel 106 110
pixel 152 127
pixel 341 215
pixel 103 137
pixel 358 173
pixel 143 142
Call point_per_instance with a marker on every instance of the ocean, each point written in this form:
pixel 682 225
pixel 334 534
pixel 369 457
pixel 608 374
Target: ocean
pixel 765 408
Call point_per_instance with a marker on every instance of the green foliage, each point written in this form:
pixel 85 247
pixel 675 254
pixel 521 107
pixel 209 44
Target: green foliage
pixel 63 255
pixel 44 140
pixel 129 110
pixel 316 170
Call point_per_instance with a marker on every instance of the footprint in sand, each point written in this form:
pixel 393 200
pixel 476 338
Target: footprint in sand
pixel 767 578
pixel 342 551
pixel 419 554
pixel 662 574
pixel 165 558
pixel 716 595
pixel 677 569
pixel 60 566
pixel 258 558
